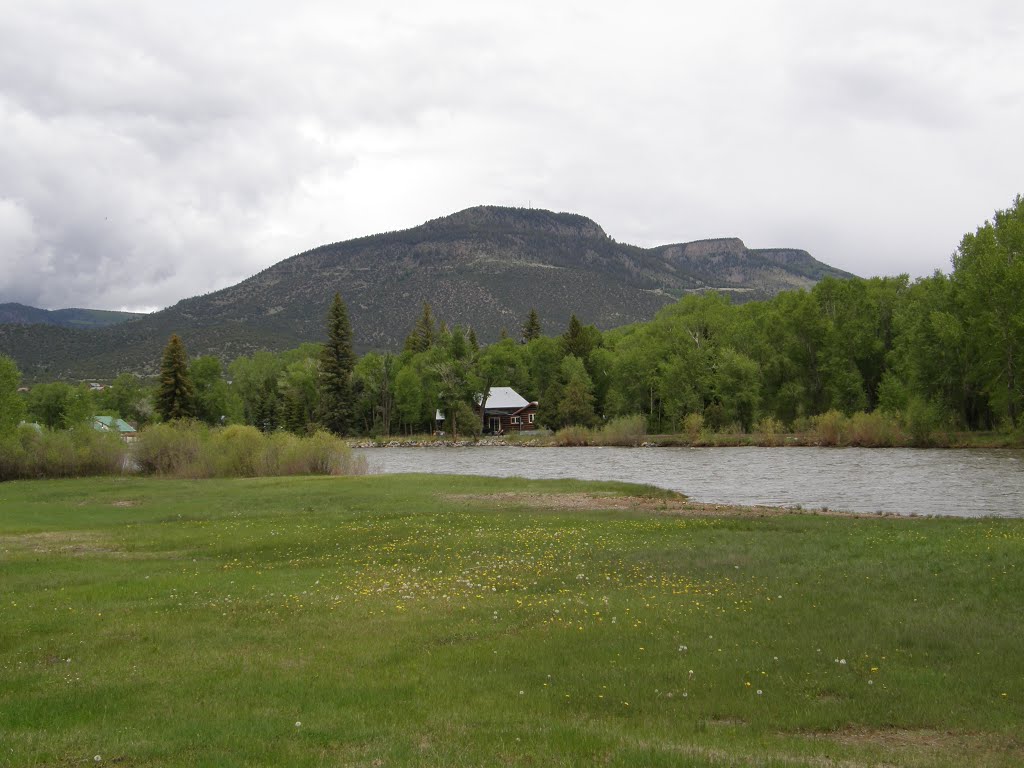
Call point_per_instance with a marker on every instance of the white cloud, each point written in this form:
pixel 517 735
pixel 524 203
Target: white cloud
pixel 156 151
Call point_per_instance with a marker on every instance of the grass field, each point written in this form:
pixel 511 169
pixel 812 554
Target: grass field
pixel 426 620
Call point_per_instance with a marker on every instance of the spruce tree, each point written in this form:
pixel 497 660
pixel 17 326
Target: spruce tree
pixel 575 340
pixel 423 333
pixel 336 363
pixel 176 397
pixel 531 329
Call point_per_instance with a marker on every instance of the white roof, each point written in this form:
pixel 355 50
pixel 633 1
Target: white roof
pixel 504 397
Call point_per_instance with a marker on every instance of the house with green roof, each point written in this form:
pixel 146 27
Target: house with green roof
pixel 114 424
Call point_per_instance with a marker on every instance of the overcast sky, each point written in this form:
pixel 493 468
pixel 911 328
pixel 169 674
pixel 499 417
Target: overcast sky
pixel 151 151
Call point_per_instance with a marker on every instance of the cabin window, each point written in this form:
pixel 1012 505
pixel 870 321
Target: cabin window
pixel 529 418
pixel 517 419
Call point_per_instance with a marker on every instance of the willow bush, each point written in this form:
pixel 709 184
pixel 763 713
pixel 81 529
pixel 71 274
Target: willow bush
pixel 28 453
pixel 190 449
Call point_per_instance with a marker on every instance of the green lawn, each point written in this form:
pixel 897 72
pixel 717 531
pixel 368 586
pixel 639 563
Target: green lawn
pixel 420 620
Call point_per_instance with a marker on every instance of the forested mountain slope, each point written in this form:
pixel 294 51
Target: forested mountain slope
pixel 483 267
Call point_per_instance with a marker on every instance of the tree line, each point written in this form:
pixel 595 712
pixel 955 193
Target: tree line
pixel 946 349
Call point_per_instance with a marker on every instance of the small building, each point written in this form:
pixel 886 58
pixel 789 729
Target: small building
pixel 113 424
pixel 507 411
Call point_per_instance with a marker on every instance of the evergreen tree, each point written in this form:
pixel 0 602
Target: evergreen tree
pixel 175 399
pixel 531 329
pixel 577 340
pixel 473 343
pixel 336 363
pixel 423 334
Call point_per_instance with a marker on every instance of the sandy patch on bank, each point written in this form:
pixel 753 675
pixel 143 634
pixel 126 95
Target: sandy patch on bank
pixel 602 501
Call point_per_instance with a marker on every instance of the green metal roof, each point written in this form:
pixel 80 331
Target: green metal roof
pixel 104 423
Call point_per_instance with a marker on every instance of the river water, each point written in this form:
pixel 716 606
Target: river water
pixel 963 483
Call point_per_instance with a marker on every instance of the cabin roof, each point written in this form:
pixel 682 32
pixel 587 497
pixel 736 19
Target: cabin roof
pixel 504 397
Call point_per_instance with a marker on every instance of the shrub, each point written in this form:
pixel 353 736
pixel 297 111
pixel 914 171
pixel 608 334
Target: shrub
pixel 873 430
pixel 624 430
pixel 921 420
pixel 28 453
pixel 830 428
pixel 234 451
pixel 770 431
pixel 320 454
pixel 173 449
pixel 693 426
pixel 574 435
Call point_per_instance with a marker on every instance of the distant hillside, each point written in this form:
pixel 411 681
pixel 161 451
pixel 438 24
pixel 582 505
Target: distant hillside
pixel 20 314
pixel 482 267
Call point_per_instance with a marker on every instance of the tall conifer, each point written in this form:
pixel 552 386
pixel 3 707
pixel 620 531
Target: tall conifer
pixel 176 397
pixel 531 329
pixel 336 363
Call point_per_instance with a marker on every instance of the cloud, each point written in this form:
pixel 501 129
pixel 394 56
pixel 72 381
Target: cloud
pixel 156 151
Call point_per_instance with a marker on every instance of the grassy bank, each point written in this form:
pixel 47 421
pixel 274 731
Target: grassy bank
pixel 426 620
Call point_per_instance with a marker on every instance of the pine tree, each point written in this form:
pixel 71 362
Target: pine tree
pixel 176 397
pixel 336 363
pixel 575 340
pixel 423 334
pixel 473 343
pixel 531 329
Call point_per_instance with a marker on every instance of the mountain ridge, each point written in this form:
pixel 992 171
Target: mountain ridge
pixel 72 317
pixel 484 267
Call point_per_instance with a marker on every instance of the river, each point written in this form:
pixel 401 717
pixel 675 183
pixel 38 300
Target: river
pixel 963 483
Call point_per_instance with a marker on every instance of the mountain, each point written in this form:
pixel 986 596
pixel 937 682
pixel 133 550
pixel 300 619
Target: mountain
pixel 482 267
pixel 20 314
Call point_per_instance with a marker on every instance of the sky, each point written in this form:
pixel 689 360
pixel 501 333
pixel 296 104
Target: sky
pixel 154 151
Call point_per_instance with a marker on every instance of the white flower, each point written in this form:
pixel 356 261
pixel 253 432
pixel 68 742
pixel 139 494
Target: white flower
pixel 759 691
pixel 298 724
pixel 97 758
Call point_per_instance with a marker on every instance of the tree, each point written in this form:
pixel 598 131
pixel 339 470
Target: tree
pixel 531 328
pixel 988 269
pixel 175 399
pixel 59 405
pixel 212 396
pixel 300 395
pixel 577 402
pixel 569 399
pixel 255 381
pixel 127 398
pixel 575 340
pixel 12 406
pixel 423 332
pixel 336 363
pixel 375 374
pixel 409 398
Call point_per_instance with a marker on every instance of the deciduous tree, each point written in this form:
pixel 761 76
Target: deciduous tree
pixel 12 406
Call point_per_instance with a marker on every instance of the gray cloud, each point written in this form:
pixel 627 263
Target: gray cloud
pixel 156 151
